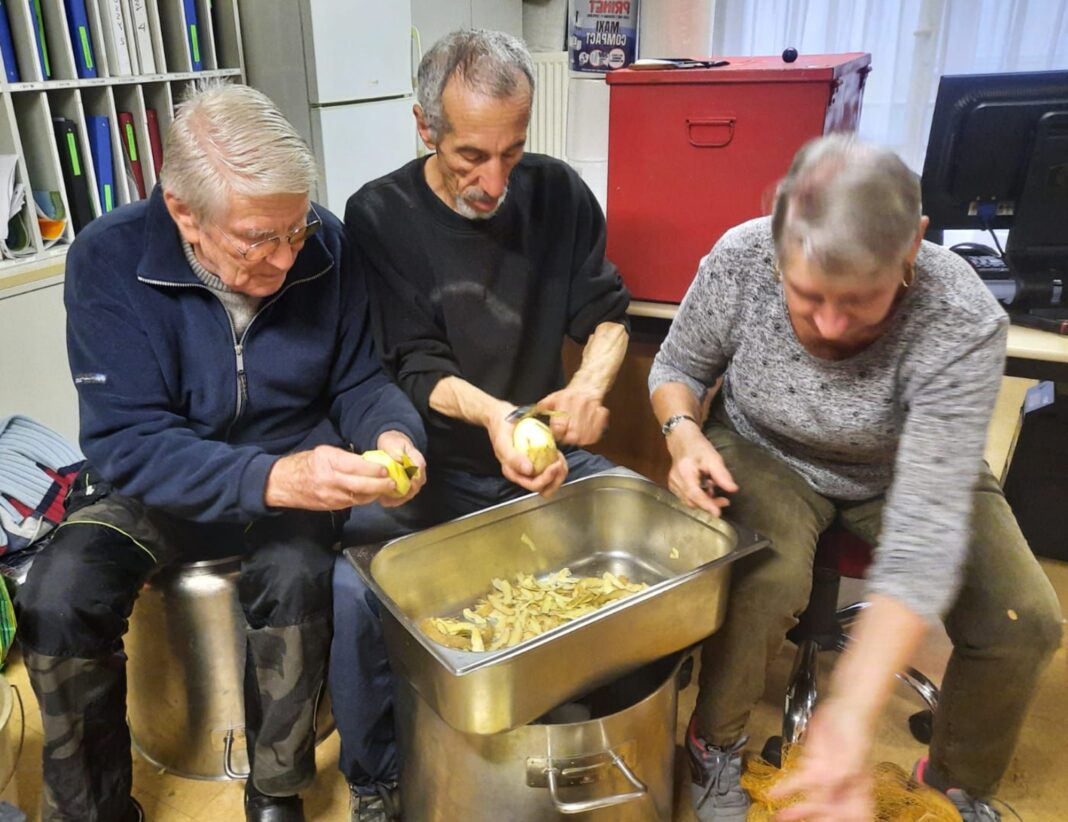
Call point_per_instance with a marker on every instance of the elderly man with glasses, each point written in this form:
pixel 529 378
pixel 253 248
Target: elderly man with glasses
pixel 219 342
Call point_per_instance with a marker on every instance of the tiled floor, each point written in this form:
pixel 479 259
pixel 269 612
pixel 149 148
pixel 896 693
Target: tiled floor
pixel 1036 785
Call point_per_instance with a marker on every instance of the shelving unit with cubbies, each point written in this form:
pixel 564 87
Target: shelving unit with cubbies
pixel 181 49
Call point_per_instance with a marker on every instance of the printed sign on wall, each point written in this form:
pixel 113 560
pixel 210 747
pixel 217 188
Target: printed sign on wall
pixel 603 35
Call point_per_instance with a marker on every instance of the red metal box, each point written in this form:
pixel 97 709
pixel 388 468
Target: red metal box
pixel 692 152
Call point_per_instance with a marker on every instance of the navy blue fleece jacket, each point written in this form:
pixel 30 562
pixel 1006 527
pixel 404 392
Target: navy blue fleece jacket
pixel 177 412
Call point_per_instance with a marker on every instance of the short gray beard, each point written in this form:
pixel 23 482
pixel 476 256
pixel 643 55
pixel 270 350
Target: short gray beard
pixel 464 210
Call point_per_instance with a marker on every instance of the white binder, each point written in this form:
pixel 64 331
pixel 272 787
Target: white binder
pixel 116 43
pixel 141 35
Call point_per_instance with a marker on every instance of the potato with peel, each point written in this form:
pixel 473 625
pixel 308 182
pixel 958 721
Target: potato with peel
pixel 397 470
pixel 534 439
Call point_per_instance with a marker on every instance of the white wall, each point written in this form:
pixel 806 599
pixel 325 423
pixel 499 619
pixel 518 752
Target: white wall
pixel 676 28
pixel 34 376
pixel 545 24
pixel 436 18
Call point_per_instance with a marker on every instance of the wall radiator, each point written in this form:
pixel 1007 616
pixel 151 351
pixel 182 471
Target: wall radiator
pixel 548 116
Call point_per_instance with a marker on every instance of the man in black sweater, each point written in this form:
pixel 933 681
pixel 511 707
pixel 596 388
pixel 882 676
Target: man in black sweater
pixel 479 260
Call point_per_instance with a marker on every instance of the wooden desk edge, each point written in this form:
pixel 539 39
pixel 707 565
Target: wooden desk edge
pixel 1023 343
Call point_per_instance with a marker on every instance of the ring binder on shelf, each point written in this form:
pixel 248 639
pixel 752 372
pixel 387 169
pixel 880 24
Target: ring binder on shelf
pixel 99 129
pixel 154 141
pixel 37 18
pixel 78 22
pixel 7 45
pixel 195 58
pixel 74 179
pixel 129 152
pixel 141 36
pixel 116 42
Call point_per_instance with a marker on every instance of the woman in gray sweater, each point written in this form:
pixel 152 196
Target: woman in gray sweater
pixel 860 367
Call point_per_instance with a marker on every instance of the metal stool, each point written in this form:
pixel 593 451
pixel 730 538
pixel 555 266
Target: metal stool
pixel 186 648
pixel 825 627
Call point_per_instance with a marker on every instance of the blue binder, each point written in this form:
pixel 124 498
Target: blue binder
pixel 193 34
pixel 7 46
pixel 37 18
pixel 78 22
pixel 99 130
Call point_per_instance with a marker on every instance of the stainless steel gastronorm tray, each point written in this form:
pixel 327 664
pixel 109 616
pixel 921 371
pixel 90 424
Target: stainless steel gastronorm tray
pixel 616 521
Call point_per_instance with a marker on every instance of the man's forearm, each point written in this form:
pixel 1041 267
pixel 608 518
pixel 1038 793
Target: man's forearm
pixel 601 359
pixel 457 398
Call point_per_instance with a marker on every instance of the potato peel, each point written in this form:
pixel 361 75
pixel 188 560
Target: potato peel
pixel 515 611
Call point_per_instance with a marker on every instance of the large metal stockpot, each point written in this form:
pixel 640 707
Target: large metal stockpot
pixel 612 762
pixel 186 647
pixel 618 522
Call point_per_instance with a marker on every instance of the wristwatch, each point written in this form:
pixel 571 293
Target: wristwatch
pixel 674 420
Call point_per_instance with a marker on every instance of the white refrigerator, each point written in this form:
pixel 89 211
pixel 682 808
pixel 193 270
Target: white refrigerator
pixel 341 72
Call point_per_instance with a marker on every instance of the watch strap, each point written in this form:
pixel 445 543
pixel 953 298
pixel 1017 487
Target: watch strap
pixel 674 420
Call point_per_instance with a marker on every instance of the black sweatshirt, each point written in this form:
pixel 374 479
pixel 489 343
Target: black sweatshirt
pixel 485 300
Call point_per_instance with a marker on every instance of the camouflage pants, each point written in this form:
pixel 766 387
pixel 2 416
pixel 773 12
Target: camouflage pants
pixel 73 612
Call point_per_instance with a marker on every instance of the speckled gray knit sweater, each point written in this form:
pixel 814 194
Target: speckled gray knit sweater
pixel 906 417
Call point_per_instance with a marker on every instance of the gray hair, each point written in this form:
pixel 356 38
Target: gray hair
pixel 849 207
pixel 490 62
pixel 229 139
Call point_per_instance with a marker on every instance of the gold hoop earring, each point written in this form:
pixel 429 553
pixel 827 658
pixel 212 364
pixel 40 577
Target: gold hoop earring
pixel 910 275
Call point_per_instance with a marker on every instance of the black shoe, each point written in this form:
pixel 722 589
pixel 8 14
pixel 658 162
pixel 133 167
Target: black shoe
pixel 262 808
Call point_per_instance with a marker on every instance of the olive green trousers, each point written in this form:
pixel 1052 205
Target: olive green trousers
pixel 997 656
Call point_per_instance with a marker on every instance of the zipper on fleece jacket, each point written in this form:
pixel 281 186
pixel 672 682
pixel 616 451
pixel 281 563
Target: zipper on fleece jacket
pixel 239 344
pixel 242 382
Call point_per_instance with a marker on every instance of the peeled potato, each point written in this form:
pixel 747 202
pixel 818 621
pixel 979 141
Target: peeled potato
pixel 395 469
pixel 534 439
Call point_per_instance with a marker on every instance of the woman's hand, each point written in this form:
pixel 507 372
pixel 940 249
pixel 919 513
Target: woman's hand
pixel 697 470
pixel 834 775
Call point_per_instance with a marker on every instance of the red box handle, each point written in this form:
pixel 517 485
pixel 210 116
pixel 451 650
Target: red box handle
pixel 710 132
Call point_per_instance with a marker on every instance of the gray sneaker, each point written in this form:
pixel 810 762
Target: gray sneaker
pixel 379 802
pixel 972 810
pixel 969 808
pixel 716 789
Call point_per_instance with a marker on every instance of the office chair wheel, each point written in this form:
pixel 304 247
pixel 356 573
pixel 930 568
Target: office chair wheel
pixel 921 724
pixel 772 751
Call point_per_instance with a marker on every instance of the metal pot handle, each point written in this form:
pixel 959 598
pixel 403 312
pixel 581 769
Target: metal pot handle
pixel 552 770
pixel 228 765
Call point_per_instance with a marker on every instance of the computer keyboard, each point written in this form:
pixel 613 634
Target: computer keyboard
pixel 988 267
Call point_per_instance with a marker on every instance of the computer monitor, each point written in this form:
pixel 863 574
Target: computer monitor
pixel 998 152
pixel 1038 240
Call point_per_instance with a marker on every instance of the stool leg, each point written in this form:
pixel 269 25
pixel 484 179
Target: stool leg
pixel 801 691
pixel 850 613
pixel 926 689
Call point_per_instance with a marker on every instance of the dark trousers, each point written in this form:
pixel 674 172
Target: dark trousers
pixel 361 684
pixel 73 611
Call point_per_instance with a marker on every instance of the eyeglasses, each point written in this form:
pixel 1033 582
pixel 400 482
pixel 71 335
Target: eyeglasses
pixel 262 249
